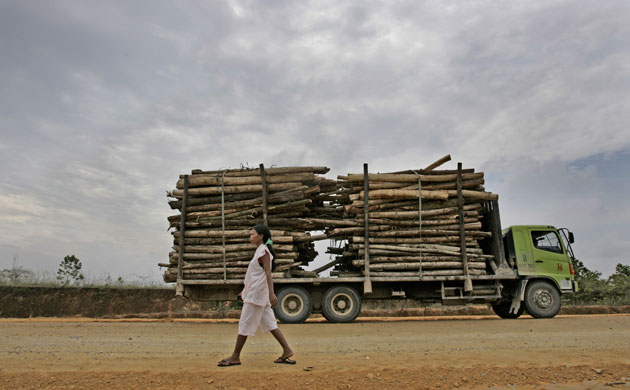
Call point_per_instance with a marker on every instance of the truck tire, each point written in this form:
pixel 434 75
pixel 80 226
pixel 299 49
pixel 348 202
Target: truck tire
pixel 341 304
pixel 294 305
pixel 542 299
pixel 502 309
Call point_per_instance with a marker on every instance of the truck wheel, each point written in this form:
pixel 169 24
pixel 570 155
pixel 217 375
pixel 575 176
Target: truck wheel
pixel 341 304
pixel 542 299
pixel 294 305
pixel 502 309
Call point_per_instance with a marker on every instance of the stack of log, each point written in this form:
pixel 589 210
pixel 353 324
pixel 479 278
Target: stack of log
pixel 413 223
pixel 219 209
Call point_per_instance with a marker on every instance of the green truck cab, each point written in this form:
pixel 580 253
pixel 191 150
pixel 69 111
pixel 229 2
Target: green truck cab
pixel 543 259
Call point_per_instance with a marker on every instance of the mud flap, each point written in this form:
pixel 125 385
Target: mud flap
pixel 519 295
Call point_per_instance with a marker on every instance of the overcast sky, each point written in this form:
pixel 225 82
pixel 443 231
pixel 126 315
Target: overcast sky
pixel 104 104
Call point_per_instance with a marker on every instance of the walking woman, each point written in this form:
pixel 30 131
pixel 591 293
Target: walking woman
pixel 258 297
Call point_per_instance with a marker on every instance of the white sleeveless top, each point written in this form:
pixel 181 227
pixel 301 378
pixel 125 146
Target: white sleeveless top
pixel 256 290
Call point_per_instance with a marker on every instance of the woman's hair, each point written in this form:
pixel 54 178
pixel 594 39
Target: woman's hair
pixel 264 230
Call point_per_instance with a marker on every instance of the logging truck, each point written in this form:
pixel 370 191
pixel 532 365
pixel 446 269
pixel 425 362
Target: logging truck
pixel 528 269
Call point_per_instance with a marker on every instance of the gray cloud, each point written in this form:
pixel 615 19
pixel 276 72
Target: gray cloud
pixel 103 105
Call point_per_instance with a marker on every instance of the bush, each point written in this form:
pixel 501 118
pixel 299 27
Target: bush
pixel 593 290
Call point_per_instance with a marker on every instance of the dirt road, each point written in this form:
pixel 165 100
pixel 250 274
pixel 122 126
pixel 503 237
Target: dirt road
pixel 477 352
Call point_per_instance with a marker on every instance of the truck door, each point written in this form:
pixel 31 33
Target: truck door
pixel 550 258
pixel 523 251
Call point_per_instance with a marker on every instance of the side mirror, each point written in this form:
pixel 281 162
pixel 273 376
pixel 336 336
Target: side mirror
pixel 571 238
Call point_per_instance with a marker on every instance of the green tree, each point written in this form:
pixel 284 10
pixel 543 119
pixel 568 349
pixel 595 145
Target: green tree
pixel 582 273
pixel 621 269
pixel 69 270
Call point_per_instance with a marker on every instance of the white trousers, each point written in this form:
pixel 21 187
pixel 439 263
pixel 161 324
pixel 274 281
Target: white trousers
pixel 255 316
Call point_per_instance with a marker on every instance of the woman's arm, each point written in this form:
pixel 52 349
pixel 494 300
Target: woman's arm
pixel 266 263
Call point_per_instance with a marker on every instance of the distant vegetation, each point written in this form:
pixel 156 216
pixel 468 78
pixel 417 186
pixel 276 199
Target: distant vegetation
pixel 595 290
pixel 70 273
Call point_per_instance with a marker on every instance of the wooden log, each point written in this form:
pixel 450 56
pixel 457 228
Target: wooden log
pixel 474 194
pixel 425 258
pixel 392 252
pixel 236 240
pixel 413 248
pixel 317 237
pixel 425 213
pixel 413 240
pixel 230 248
pixel 414 266
pixel 401 194
pixel 177 204
pixel 436 223
pixel 393 275
pixel 279 197
pixel 431 232
pixel 437 163
pixel 233 233
pixel 467 184
pixel 236 213
pixel 396 203
pixel 474 185
pixel 302 273
pixel 270 171
pixel 257 188
pixel 230 256
pixel 215 180
pixel 214 264
pixel 406 178
pixel 385 231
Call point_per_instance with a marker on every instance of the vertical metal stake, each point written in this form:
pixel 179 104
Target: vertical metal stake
pixel 420 225
pixel 264 193
pixel 367 283
pixel 223 223
pixel 179 289
pixel 462 229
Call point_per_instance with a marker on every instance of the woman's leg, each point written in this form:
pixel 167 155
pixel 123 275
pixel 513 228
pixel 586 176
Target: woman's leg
pixel 236 355
pixel 286 350
pixel 250 318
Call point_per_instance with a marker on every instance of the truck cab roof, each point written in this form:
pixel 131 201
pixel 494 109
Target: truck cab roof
pixel 518 227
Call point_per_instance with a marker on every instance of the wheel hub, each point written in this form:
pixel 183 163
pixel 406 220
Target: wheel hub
pixel 342 304
pixel 543 299
pixel 292 305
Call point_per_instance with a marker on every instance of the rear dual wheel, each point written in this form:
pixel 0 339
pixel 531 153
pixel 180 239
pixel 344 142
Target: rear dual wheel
pixel 341 304
pixel 294 305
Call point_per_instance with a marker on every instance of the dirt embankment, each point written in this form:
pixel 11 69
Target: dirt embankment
pixel 25 302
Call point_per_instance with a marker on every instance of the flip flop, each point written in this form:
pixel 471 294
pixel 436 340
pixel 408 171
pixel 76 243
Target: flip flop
pixel 227 363
pixel 284 360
